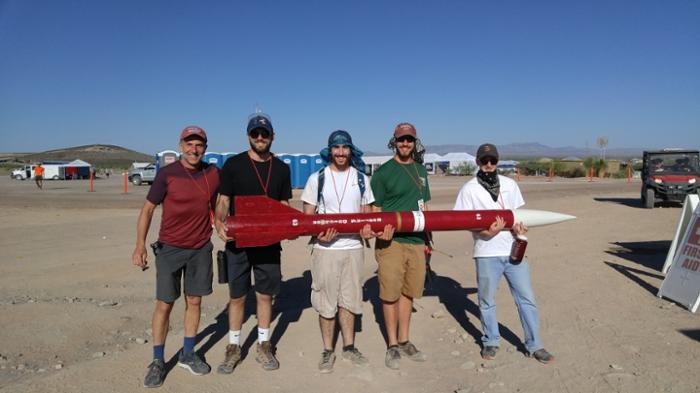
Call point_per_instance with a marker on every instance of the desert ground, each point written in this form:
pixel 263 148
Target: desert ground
pixel 76 313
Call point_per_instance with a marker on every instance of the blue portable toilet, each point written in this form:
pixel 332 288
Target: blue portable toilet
pixel 166 157
pixel 304 165
pixel 214 158
pixel 316 163
pixel 289 160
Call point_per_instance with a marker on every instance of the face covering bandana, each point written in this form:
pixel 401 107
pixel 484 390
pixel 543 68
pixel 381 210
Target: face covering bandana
pixel 489 180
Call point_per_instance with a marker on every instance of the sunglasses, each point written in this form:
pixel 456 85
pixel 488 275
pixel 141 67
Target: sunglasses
pixel 488 160
pixel 259 132
pixel 406 138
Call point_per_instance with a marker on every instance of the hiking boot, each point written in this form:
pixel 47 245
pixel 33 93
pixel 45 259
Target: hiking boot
pixel 192 362
pixel 489 352
pixel 355 356
pixel 392 357
pixel 542 356
pixel 325 365
pixel 231 359
pixel 265 356
pixel 410 351
pixel 155 375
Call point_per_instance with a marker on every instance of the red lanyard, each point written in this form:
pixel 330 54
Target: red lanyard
pixel 207 194
pixel 269 174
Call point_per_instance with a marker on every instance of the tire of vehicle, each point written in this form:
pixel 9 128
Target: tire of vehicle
pixel 136 180
pixel 55 177
pixel 649 198
pixel 18 177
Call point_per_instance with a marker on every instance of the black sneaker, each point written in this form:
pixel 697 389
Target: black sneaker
pixel 542 356
pixel 155 375
pixel 489 352
pixel 192 362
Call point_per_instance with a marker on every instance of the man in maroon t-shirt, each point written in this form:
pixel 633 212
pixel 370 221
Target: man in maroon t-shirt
pixel 187 191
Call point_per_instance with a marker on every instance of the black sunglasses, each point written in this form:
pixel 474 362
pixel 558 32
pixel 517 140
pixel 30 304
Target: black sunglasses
pixel 406 138
pixel 488 160
pixel 259 132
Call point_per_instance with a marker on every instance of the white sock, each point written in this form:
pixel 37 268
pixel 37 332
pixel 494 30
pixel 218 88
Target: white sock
pixel 234 337
pixel 263 335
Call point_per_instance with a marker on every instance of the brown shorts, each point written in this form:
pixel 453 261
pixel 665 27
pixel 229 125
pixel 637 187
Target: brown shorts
pixel 401 270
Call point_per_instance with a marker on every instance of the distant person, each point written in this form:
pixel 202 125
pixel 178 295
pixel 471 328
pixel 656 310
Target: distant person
pixel 401 184
pixel 39 176
pixel 492 249
pixel 337 260
pixel 683 165
pixel 254 172
pixel 657 165
pixel 187 192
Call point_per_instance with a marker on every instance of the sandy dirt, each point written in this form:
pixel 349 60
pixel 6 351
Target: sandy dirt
pixel 76 313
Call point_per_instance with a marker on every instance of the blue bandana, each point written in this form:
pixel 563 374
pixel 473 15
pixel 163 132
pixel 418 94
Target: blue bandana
pixel 343 138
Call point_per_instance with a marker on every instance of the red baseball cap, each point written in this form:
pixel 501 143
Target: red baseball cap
pixel 404 129
pixel 193 131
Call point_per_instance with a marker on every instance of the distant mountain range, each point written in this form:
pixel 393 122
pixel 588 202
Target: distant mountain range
pixel 516 151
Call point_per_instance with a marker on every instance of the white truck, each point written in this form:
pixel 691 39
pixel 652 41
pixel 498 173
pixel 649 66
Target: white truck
pixel 51 171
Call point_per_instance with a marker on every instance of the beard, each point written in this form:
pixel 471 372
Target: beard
pixel 260 150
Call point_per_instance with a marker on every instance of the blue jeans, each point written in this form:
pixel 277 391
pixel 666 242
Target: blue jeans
pixel 489 271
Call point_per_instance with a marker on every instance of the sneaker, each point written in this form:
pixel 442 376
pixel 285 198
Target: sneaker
pixel 325 365
pixel 410 351
pixel 155 375
pixel 489 352
pixel 392 357
pixel 192 362
pixel 231 359
pixel 266 357
pixel 355 356
pixel 542 356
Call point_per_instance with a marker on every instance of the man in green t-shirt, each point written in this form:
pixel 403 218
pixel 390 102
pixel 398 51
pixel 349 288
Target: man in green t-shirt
pixel 401 184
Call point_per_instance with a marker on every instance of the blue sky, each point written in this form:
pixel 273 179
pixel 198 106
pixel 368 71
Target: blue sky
pixel 561 73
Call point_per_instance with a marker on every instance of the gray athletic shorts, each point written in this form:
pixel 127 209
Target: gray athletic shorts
pixel 336 281
pixel 173 262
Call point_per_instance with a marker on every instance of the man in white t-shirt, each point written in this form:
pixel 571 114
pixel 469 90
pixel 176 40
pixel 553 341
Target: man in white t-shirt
pixel 337 259
pixel 492 248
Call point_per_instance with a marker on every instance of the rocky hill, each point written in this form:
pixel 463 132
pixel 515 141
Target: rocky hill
pixel 100 156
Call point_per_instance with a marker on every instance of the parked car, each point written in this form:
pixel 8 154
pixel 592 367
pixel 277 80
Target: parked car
pixel 138 176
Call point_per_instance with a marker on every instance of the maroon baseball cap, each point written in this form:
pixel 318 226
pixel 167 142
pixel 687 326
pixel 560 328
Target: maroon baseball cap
pixel 193 131
pixel 404 129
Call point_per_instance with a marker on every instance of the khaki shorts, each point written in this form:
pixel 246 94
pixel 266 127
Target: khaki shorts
pixel 336 281
pixel 401 270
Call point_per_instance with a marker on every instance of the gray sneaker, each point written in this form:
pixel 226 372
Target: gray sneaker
pixel 231 359
pixel 542 356
pixel 356 357
pixel 392 357
pixel 325 365
pixel 410 351
pixel 155 375
pixel 266 357
pixel 192 362
pixel 489 352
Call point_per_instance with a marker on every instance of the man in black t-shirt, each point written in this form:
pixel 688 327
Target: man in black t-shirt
pixel 254 172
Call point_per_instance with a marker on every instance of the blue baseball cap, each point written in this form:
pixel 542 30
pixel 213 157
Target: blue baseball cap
pixel 259 121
